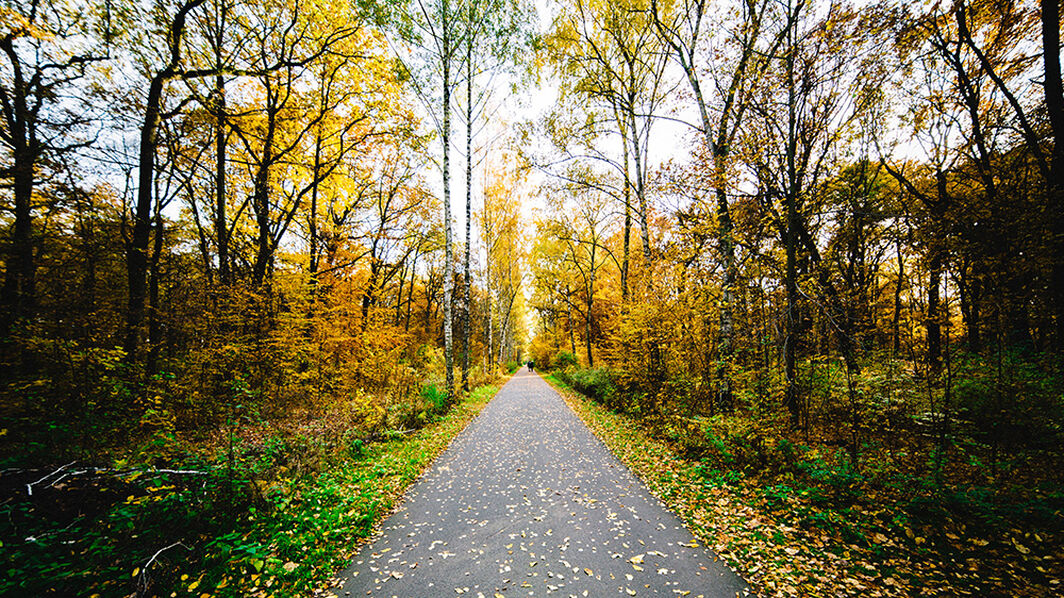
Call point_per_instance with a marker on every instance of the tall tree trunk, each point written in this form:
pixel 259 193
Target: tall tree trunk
pixel 589 306
pixel 791 399
pixel 448 272
pixel 20 287
pixel 467 283
pixel 569 321
pixel 369 296
pixel 313 262
pixel 399 294
pixel 727 319
pixel 410 291
pixel 1054 99
pixel 137 250
pixel 790 346
pixel 641 197
pixel 19 293
pixel 627 212
pixel 154 323
pixel 489 325
pixel 261 200
pixel 933 321
pixel 627 259
pixel 221 226
pixel 896 318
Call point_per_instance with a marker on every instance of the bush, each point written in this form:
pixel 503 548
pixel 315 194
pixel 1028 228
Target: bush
pixel 732 442
pixel 596 383
pixel 435 397
pixel 1017 401
pixel 563 360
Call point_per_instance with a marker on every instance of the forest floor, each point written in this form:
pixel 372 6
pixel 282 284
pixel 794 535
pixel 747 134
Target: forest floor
pixel 289 513
pixel 526 502
pixel 773 533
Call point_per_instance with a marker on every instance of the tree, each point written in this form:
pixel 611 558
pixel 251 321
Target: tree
pixel 47 52
pixel 581 230
pixel 500 225
pixel 137 249
pixel 748 47
pixel 438 31
pixel 495 39
pixel 820 95
pixel 609 53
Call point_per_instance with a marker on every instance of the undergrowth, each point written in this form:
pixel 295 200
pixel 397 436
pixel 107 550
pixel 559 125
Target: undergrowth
pixel 275 515
pixel 798 519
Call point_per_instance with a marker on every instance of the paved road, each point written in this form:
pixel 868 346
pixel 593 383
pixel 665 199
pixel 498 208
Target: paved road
pixel 527 502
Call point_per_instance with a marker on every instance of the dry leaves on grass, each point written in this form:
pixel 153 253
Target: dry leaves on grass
pixel 783 559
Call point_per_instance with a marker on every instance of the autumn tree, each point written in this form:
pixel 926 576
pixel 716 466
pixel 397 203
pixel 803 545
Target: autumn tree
pixel 47 52
pixel 610 54
pixel 497 34
pixel 502 234
pixel 724 63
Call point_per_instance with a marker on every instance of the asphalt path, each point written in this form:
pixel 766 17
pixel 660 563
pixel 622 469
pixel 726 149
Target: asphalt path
pixel 527 502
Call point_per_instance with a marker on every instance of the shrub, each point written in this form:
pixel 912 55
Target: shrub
pixel 596 383
pixel 732 442
pixel 563 360
pixel 1017 400
pixel 435 397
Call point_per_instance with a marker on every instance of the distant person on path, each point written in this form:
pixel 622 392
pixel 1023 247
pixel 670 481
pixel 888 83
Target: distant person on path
pixel 531 366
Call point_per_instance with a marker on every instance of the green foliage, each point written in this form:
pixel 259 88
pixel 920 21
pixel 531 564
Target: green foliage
pixel 1014 397
pixel 562 360
pixel 596 383
pixel 281 513
pixel 435 396
pixel 717 478
pixel 733 442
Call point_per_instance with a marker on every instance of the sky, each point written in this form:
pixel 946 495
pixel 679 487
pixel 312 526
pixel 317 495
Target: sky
pixel 670 140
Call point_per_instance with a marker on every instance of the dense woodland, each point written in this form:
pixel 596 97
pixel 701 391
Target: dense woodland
pixel 244 214
pixel 866 244
pixel 848 289
pixel 804 241
pixel 224 246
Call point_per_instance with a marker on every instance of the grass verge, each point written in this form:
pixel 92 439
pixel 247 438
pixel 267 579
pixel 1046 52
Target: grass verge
pixel 781 541
pixel 220 532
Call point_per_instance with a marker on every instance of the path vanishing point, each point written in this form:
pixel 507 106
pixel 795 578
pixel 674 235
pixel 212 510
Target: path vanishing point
pixel 527 502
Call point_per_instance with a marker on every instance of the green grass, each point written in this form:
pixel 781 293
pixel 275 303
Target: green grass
pixel 257 529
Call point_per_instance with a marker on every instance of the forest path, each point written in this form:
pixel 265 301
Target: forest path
pixel 527 502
